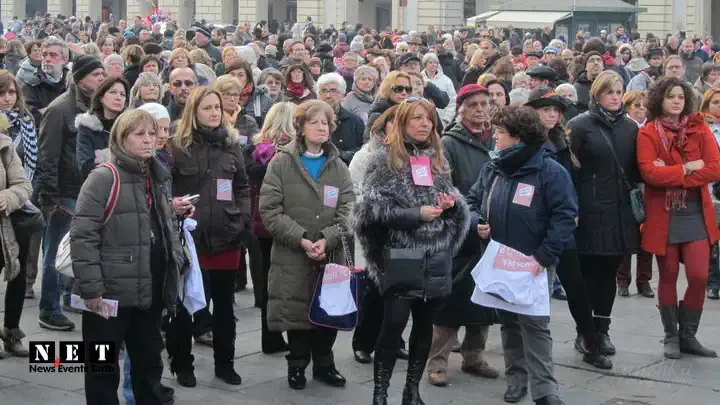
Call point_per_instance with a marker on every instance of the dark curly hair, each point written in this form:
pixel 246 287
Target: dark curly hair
pixel 661 89
pixel 521 122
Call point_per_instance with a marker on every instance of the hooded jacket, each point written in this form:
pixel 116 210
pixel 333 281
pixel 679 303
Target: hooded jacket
pixel 38 91
pixel 91 137
pixel 16 190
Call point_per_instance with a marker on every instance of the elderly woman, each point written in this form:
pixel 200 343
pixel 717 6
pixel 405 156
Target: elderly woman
pixel 365 85
pixel 434 74
pixel 603 141
pixel 131 255
pixel 253 99
pixel 234 114
pixel 306 230
pixel 410 206
pixel 147 89
pixel 348 134
pixel 522 160
pixel 179 58
pixel 114 65
pixel 273 82
pixel 678 158
pixel 229 54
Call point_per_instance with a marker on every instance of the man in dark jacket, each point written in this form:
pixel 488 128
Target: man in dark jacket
pixel 411 62
pixel 202 39
pixel 57 180
pixel 182 81
pixel 593 67
pixel 467 144
pixel 348 135
pixel 41 86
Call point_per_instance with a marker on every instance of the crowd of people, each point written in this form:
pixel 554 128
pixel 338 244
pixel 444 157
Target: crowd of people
pixel 284 145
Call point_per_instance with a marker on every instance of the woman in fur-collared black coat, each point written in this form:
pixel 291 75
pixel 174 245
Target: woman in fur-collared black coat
pixel 409 233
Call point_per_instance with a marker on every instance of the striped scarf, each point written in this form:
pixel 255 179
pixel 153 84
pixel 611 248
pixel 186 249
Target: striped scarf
pixel 22 129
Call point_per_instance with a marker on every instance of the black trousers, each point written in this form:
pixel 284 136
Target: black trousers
pixel 371 319
pixel 140 329
pixel 15 290
pixel 396 313
pixel 260 257
pixel 571 277
pixel 202 319
pixel 315 344
pixel 600 273
pixel 180 328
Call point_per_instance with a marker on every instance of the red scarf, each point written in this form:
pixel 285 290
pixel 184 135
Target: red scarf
pixel 674 136
pixel 482 133
pixel 297 89
pixel 246 93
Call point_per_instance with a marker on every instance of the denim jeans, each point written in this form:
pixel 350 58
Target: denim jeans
pixel 127 382
pixel 58 224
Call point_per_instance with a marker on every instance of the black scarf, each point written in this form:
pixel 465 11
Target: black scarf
pixel 609 117
pixel 514 160
pixel 213 135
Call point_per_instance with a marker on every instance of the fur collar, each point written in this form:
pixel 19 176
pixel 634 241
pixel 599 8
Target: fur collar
pixel 89 121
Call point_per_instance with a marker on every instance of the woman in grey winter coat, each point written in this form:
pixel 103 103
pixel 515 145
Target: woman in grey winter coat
pixel 130 254
pixel 362 96
pixel 410 221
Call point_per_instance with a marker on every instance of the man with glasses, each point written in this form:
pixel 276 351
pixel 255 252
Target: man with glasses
pixel 467 146
pixel 57 180
pixel 411 62
pixel 348 135
pixel 41 86
pixel 594 65
pixel 182 81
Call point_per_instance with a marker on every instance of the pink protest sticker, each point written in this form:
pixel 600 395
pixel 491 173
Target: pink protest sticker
pixel 224 190
pixel 524 194
pixel 511 260
pixel 330 196
pixel 421 173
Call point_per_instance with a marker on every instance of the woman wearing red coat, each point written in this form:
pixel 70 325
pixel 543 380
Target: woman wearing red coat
pixel 678 157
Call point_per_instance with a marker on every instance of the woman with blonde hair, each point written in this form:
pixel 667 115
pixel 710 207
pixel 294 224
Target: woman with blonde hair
pixel 306 228
pixel 410 204
pixel 277 131
pixel 147 89
pixel 180 57
pixel 478 66
pixel 235 114
pixel 484 78
pixel 91 49
pixel 223 216
pixel 133 256
pixel 396 88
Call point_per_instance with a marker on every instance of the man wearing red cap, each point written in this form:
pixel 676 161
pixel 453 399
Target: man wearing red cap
pixel 467 143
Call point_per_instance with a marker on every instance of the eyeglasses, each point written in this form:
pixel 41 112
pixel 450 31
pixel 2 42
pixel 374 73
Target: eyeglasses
pixel 397 89
pixel 187 83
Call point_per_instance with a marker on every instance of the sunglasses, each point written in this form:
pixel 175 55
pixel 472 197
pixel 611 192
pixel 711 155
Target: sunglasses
pixel 187 83
pixel 397 89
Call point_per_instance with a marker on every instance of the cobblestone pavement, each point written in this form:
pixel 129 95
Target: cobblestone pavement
pixel 640 376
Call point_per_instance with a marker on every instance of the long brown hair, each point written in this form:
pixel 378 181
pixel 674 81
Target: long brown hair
pixel 188 124
pixel 398 157
pixel 6 81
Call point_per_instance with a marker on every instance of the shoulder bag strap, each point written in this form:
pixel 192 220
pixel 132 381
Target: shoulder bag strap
pixel 114 191
pixel 492 187
pixel 617 161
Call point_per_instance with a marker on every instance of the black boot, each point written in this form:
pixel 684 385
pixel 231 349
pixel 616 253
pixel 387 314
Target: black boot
pixel 416 367
pixel 689 320
pixel 592 354
pixel 602 325
pixel 671 343
pixel 382 372
pixel 184 371
pixel 296 378
pixel 228 374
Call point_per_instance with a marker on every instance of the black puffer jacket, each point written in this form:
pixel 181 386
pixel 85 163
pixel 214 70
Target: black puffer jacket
pixel 606 225
pixel 387 215
pixel 222 224
pixel 113 260
pixel 348 135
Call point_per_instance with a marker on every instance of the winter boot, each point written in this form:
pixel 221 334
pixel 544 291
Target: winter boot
pixel 13 342
pixel 416 368
pixel 592 354
pixel 602 325
pixel 382 371
pixel 671 343
pixel 689 320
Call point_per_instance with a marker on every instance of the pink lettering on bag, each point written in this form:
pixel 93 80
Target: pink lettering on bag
pixel 511 260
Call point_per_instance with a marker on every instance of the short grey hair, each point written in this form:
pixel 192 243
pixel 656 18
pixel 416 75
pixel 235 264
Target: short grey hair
pixel 328 78
pixel 519 76
pixel 570 88
pixel 430 57
pixel 519 96
pixel 113 58
pixel 54 41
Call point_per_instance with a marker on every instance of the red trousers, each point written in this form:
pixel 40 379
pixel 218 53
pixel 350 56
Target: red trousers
pixel 643 270
pixel 695 256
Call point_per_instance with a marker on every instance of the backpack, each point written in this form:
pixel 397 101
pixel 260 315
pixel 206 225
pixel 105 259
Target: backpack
pixel 63 258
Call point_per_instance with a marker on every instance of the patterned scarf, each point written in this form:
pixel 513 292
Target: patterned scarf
pixel 675 197
pixel 246 93
pixel 22 129
pixel 264 152
pixel 610 117
pixel 482 133
pixel 297 89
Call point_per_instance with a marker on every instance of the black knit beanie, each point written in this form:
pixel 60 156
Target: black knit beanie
pixel 83 66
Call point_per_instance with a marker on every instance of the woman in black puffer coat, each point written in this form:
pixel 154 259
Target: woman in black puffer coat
pixel 394 89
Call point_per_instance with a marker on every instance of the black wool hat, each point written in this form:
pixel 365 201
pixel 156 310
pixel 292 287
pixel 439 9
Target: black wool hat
pixel 83 66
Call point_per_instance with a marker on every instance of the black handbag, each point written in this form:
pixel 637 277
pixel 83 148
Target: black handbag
pixel 637 200
pixel 27 220
pixel 403 270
